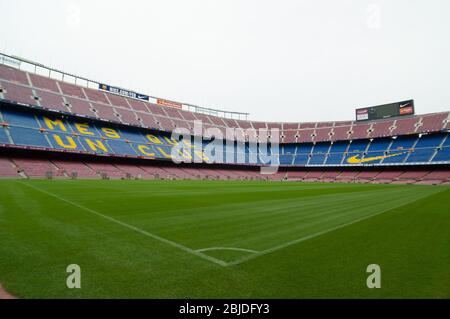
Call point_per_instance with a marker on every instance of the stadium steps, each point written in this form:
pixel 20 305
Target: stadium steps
pixel 8 168
pixel 438 148
pixel 409 154
pixel 387 150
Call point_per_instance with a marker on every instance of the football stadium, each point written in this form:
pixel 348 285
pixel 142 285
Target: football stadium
pixel 89 175
pixel 108 192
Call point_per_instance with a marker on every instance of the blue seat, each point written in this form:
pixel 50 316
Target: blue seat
pixel 339 147
pixel 65 141
pixel 370 158
pixel 19 118
pixel 321 148
pixel 304 148
pixel 442 155
pixel 431 140
pixel 381 144
pixel 403 143
pixel 121 147
pixel 421 155
pixel 397 158
pixel 3 137
pixel 301 159
pixel 28 137
pixel 99 146
pixel 334 158
pixel 56 124
pixel 286 159
pixel 132 135
pixel 358 146
pixel 91 129
pixel 317 159
pixel 166 149
pixel 446 141
pixel 288 148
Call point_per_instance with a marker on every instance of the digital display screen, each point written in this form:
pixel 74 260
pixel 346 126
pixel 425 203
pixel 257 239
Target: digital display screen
pixel 385 111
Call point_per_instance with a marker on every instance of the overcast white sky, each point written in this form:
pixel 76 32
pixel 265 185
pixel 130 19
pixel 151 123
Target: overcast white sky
pixel 281 60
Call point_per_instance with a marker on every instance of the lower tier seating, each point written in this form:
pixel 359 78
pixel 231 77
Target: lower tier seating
pixel 55 166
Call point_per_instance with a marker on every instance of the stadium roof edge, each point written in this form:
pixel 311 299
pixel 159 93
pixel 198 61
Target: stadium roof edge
pixel 188 106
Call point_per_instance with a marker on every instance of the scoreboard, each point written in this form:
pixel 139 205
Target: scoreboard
pixel 385 111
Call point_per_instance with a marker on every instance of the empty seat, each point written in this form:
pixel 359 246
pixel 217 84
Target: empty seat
pixel 72 90
pixel 36 167
pixel 105 112
pixel 18 93
pixel 137 105
pixel 52 101
pixel 44 83
pixel 96 96
pixel 433 122
pixel 381 129
pixel 13 75
pixel 405 126
pixel 7 168
pixel 118 100
pixel 81 107
pixel 127 116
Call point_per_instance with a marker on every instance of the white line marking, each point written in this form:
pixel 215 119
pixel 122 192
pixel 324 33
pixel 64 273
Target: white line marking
pixel 136 229
pixel 228 248
pixel 299 240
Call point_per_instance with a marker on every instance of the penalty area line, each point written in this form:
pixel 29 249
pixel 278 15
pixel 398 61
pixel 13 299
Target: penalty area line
pixel 228 248
pixel 323 232
pixel 131 227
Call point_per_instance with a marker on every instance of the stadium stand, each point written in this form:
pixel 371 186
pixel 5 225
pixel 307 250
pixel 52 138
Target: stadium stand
pixel 7 168
pixel 39 114
pixel 37 167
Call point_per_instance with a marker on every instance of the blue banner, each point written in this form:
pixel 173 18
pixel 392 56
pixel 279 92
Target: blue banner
pixel 123 92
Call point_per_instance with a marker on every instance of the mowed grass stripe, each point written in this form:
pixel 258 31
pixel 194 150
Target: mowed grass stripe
pixel 323 216
pixel 149 202
pixel 261 224
pixel 328 229
pixel 41 235
pixel 244 223
pixel 185 236
pixel 131 227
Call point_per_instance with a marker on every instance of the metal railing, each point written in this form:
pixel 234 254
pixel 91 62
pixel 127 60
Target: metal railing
pixel 43 70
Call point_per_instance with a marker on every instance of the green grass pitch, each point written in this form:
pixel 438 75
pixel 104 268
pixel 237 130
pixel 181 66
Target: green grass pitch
pixel 223 239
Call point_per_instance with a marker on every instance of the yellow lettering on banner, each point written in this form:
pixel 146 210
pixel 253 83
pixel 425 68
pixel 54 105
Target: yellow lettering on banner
pixel 153 139
pixel 171 141
pixel 95 145
pixel 145 150
pixel 70 144
pixel 109 132
pixel 202 155
pixel 188 144
pixel 185 154
pixel 51 124
pixel 164 153
pixel 83 128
